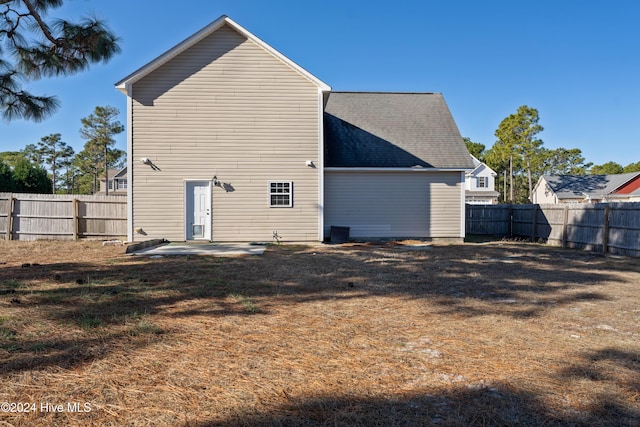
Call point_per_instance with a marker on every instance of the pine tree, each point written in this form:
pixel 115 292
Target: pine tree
pixel 53 150
pixel 32 47
pixel 99 129
pixel 518 133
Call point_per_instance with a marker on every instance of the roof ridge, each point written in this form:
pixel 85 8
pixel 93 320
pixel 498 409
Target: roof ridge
pixel 385 92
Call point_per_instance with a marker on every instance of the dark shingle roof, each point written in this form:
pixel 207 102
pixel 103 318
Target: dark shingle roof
pixel 374 129
pixel 580 186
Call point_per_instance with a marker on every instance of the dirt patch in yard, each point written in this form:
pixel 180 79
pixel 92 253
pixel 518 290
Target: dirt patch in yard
pixel 355 334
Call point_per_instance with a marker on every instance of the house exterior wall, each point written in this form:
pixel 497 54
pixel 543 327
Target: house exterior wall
pixel 481 195
pixel 392 204
pixel 542 194
pixel 471 179
pixel 227 108
pixel 117 185
pixel 471 184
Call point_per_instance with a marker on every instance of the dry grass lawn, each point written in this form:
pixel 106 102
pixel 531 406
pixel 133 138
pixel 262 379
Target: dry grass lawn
pixel 362 334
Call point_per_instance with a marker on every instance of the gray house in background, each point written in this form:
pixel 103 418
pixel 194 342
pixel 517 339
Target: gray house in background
pixel 229 140
pixel 623 187
pixel 117 182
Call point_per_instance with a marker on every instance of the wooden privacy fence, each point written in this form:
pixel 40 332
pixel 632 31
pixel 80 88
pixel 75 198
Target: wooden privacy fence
pixel 62 217
pixel 605 227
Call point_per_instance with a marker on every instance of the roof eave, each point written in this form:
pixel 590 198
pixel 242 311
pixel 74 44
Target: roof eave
pixel 392 169
pixel 124 84
pixel 624 183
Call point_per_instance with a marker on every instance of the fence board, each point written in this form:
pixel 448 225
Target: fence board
pixel 62 217
pixel 605 227
pixel 489 220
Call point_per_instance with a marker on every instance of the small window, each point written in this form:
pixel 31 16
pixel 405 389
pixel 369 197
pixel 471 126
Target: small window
pixel 482 182
pixel 197 230
pixel 280 194
pixel 121 184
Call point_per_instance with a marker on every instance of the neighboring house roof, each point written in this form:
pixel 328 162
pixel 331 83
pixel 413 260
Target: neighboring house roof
pixel 125 83
pixel 626 194
pixel 121 174
pixel 478 166
pixel 116 173
pixel 397 130
pixel 586 186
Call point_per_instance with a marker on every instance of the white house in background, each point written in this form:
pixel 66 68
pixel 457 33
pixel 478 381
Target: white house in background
pixel 117 182
pixel 480 185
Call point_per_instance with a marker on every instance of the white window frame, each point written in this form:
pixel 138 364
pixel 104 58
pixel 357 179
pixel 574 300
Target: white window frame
pixel 285 192
pixel 483 182
pixel 121 184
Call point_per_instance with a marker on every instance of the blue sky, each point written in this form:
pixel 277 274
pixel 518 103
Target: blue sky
pixel 576 61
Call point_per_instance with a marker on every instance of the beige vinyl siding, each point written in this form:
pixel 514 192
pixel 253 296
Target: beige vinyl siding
pixel 394 204
pixel 542 194
pixel 228 108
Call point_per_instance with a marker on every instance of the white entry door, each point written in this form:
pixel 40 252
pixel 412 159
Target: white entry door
pixel 198 210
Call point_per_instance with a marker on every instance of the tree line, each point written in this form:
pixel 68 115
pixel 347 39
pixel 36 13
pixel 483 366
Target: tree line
pixel 51 166
pixel 519 157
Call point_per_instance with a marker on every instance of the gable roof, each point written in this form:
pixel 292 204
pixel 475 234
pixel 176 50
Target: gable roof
pixel 479 167
pixel 389 129
pixel 116 174
pixel 589 186
pixel 122 173
pixel 123 84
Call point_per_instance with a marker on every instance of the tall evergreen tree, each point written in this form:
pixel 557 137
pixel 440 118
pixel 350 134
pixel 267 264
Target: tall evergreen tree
pixel 32 153
pixel 475 148
pixel 53 150
pixel 87 162
pixel 562 161
pixel 66 163
pixel 501 157
pixel 518 135
pixel 609 168
pixel 33 47
pixel 98 129
pixel 632 167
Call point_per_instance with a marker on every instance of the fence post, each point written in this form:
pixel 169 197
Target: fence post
pixel 565 220
pixel 510 220
pixel 533 223
pixel 605 229
pixel 10 218
pixel 75 219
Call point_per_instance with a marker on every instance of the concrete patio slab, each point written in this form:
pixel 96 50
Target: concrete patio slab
pixel 209 249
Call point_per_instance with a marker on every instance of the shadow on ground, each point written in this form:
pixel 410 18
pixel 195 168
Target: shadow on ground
pixel 500 405
pixel 97 305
